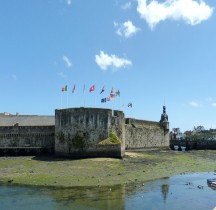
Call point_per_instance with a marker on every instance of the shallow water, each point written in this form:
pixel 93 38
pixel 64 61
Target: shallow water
pixel 179 192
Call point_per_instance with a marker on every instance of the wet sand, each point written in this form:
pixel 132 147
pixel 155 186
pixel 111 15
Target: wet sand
pixel 135 167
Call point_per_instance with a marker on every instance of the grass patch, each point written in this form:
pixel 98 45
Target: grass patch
pixel 112 140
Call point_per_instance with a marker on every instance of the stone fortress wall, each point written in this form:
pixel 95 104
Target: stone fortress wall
pixel 83 132
pixel 144 134
pixel 27 136
pixel 26 133
pixel 79 132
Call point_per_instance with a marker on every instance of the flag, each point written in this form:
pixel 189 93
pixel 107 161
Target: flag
pixel 112 96
pixel 84 88
pixel 112 90
pixel 118 93
pixel 74 89
pixel 64 88
pixel 103 100
pixel 92 88
pixel 102 90
pixel 130 104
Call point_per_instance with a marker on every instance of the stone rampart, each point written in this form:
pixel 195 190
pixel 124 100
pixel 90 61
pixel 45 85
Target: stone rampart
pixel 78 132
pixel 144 134
pixel 27 136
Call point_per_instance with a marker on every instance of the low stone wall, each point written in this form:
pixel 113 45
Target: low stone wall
pixel 113 151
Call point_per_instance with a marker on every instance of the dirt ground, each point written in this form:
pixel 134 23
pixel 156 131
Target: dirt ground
pixel 134 167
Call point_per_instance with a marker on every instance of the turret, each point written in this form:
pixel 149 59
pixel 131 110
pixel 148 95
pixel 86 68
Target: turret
pixel 164 120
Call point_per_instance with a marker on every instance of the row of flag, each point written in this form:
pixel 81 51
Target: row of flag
pixel 112 95
pixel 92 88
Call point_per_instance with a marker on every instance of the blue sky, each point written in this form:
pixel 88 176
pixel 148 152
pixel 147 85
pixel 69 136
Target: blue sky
pixel 154 52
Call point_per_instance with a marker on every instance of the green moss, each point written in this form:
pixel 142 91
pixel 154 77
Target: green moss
pixel 113 139
pixel 78 142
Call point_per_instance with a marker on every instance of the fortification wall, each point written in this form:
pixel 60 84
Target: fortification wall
pixel 27 136
pixel 144 134
pixel 79 130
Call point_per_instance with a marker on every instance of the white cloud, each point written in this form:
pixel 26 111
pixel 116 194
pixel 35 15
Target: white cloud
pixel 69 2
pixel 126 6
pixel 213 104
pixel 14 77
pixel 105 61
pixel 61 74
pixel 127 29
pixel 191 11
pixel 195 104
pixel 67 61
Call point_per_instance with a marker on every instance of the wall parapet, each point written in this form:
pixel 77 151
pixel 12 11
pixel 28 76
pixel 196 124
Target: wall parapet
pixel 137 122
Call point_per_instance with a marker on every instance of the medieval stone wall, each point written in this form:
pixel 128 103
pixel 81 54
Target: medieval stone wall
pixel 27 136
pixel 79 130
pixel 144 134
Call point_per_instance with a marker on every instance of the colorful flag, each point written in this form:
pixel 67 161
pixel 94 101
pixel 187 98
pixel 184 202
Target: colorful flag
pixel 64 88
pixel 118 93
pixel 92 88
pixel 102 90
pixel 112 96
pixel 74 89
pixel 103 100
pixel 130 104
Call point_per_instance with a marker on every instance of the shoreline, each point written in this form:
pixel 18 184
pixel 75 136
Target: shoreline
pixel 135 167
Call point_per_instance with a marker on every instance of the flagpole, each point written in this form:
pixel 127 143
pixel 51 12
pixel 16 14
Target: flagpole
pixel 84 95
pixel 67 99
pixel 61 99
pixel 94 100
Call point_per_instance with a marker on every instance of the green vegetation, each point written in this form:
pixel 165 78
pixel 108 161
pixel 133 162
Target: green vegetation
pixel 201 136
pixel 78 142
pixel 113 139
pixel 134 167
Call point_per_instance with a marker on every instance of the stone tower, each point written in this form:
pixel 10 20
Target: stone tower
pixel 165 124
pixel 164 120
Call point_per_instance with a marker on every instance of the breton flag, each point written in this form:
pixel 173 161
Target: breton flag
pixel 92 88
pixel 74 89
pixel 102 90
pixel 130 104
pixel 64 88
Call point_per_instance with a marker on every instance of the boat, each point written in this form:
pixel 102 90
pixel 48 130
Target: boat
pixel 213 184
pixel 209 181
